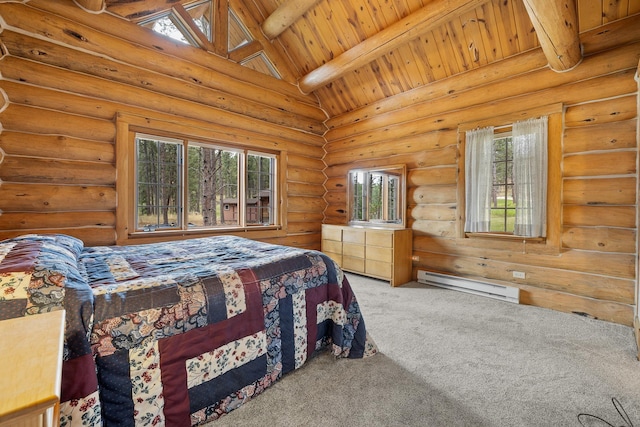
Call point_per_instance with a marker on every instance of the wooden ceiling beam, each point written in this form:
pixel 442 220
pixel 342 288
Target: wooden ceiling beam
pixel 245 51
pixel 91 5
pixel 431 16
pixel 556 25
pixel 285 15
pixel 220 27
pixel 186 21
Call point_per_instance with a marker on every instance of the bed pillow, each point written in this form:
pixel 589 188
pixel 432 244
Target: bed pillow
pixel 35 269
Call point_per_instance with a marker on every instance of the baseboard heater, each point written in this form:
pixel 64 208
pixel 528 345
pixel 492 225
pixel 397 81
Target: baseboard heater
pixel 472 286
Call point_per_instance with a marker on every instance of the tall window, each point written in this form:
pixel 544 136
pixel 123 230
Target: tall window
pixel 503 201
pixel 506 179
pixel 183 184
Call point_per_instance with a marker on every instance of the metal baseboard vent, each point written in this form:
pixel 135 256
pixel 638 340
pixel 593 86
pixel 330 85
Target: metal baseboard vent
pixel 472 286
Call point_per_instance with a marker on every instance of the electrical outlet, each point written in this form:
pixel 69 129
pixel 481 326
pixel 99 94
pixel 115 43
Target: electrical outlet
pixel 519 274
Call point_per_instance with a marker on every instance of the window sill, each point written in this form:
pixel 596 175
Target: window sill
pixel 505 236
pixel 258 232
pixel 377 225
pixel 511 243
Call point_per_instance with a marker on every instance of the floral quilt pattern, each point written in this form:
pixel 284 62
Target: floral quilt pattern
pixel 179 333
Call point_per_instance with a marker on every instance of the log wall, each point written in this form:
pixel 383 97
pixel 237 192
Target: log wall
pixel 67 74
pixel 592 270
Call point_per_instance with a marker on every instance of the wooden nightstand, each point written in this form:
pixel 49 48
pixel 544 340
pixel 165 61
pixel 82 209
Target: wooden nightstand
pixel 31 369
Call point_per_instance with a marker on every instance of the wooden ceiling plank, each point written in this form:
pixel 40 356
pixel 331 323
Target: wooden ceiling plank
pixel 382 16
pixel 384 70
pixel 91 5
pixel 284 16
pixel 346 35
pixel 300 46
pixel 614 10
pixel 446 50
pixel 368 24
pixel 437 13
pixel 556 25
pixel 589 14
pixel 367 83
pixel 391 73
pixel 334 104
pixel 434 58
pixel 489 32
pixel 418 47
pixel 527 35
pixel 506 28
pixel 458 42
pixel 474 42
pixel 414 75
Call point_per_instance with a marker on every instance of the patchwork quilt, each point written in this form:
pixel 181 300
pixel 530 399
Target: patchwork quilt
pixel 179 333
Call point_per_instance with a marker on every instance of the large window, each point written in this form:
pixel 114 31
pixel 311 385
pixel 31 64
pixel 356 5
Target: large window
pixel 185 185
pixel 376 196
pixel 506 179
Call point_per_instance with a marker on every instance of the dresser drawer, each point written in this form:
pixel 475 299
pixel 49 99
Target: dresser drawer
pixel 353 264
pixel 376 253
pixel 379 269
pixel 380 238
pixel 331 246
pixel 332 233
pixel 353 235
pixel 352 249
pixel 334 256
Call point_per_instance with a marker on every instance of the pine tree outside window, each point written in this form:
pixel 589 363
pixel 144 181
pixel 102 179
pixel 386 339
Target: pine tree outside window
pixel 506 179
pixel 186 185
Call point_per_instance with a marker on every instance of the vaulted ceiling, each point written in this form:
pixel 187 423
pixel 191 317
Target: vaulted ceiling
pixel 354 53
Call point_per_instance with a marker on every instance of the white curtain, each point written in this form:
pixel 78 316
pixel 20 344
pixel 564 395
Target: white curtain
pixel 530 177
pixel 479 180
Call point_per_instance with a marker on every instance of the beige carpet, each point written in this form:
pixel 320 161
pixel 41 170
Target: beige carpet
pixel 453 359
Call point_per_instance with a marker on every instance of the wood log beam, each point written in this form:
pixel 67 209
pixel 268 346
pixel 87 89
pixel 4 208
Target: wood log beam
pixel 285 15
pixel 136 11
pixel 425 19
pixel 91 5
pixel 220 27
pixel 556 25
pixel 187 23
pixel 245 51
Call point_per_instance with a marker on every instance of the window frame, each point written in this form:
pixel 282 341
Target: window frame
pixel 128 126
pixel 503 133
pixel 396 170
pixel 551 244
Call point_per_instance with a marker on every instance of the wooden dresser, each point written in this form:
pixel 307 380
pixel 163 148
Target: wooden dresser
pixel 31 370
pixel 383 253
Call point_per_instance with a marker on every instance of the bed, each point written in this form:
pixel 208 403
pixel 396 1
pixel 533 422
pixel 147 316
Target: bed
pixel 179 333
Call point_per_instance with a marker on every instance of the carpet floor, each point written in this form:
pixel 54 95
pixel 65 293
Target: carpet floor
pixel 452 359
